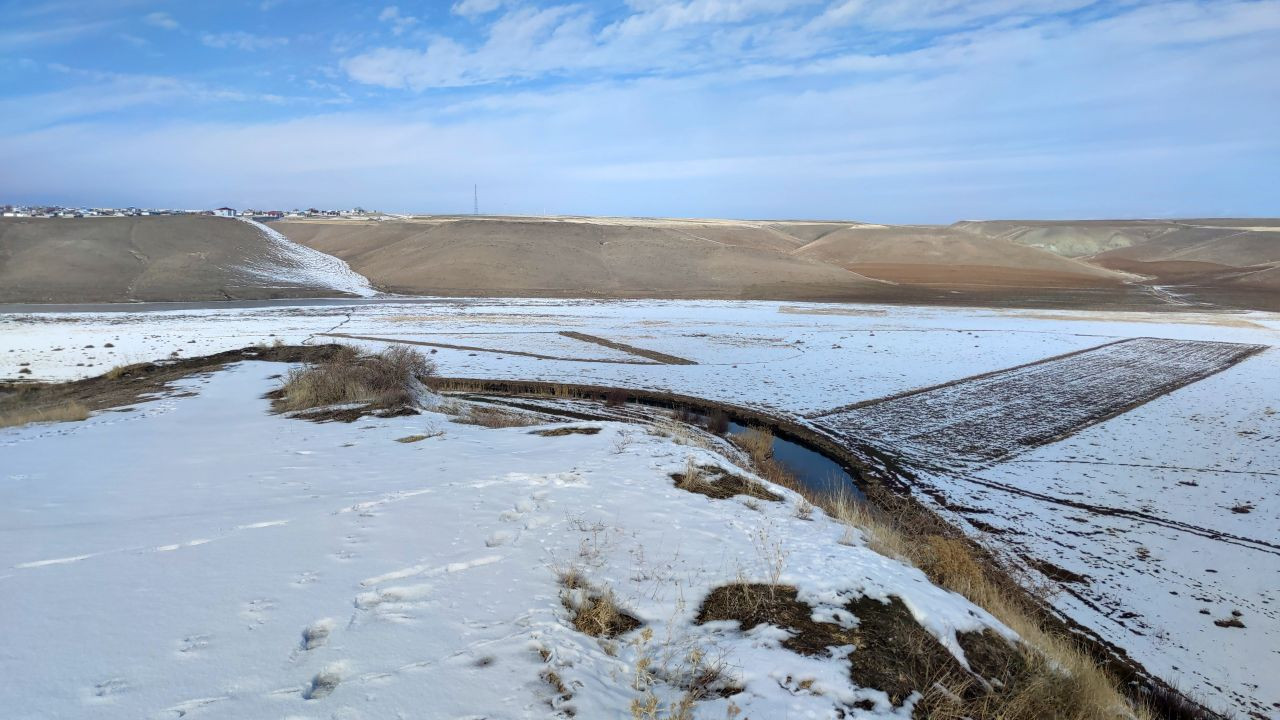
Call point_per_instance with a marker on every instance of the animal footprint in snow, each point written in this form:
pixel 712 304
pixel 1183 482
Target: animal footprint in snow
pixel 192 644
pixel 317 633
pixel 256 611
pixel 325 682
pixel 110 687
pixel 306 578
pixel 501 537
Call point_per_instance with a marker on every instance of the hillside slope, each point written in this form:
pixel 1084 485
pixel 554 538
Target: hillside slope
pixel 942 255
pixel 583 257
pixel 159 258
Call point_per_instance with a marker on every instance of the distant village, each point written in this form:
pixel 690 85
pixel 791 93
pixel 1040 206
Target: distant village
pixel 57 211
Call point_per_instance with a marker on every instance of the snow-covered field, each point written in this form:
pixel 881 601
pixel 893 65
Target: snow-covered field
pixel 198 557
pixel 1166 510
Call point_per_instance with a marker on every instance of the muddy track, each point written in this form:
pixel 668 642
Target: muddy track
pixel 472 348
pixel 663 358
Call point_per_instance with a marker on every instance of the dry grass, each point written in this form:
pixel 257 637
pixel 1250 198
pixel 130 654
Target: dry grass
pixel 563 431
pixel 382 380
pixel 757 443
pixel 65 412
pixel 594 612
pixel 698 674
pixel 492 417
pixel 1057 677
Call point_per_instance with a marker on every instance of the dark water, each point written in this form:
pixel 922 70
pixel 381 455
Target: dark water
pixel 813 469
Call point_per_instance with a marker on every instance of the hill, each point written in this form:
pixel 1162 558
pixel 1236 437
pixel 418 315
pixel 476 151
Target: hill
pixel 589 257
pixel 159 258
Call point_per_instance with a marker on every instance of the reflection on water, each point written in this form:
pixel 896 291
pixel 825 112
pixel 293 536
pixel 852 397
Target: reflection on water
pixel 813 469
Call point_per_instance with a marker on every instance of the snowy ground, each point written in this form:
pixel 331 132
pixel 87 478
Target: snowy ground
pixel 1142 504
pixel 198 557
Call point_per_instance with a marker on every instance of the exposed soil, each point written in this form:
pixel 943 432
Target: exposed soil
pixel 472 348
pixel 562 431
pixel 752 604
pixel 73 260
pixel 719 484
pixel 663 358
pixel 135 383
pixel 891 651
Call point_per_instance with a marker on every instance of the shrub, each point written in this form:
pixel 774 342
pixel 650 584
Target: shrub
pixel 385 379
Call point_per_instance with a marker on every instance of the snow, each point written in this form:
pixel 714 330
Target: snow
pixel 199 557
pixel 1158 578
pixel 301 265
pixel 1053 503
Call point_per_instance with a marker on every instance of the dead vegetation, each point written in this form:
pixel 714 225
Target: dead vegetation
pixel 1055 676
pixel 568 430
pixel 592 611
pixel 386 380
pixel 492 417
pixel 697 673
pixel 23 401
pixel 889 651
pixel 718 483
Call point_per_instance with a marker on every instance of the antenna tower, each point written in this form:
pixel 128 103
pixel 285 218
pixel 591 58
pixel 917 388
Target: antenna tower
pixel 475 199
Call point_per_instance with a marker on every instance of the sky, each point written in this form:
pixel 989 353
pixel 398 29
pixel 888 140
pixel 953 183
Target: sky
pixel 902 111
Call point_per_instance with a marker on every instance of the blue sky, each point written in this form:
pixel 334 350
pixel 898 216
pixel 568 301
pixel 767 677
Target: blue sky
pixel 881 110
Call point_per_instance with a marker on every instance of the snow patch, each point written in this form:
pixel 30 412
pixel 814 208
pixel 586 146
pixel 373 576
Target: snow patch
pixel 302 265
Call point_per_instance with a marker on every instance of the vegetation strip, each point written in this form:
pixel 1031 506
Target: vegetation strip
pixel 472 348
pixel 663 358
pixel 943 551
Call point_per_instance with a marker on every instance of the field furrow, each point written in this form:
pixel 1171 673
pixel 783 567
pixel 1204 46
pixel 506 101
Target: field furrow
pixel 994 416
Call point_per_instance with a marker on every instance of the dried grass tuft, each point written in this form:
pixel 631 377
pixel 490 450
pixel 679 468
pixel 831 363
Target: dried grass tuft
pixel 382 380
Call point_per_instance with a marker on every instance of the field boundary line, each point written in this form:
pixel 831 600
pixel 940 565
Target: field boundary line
pixel 473 348
pixel 663 358
pixel 917 391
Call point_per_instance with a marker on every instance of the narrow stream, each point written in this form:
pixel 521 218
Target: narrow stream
pixel 814 470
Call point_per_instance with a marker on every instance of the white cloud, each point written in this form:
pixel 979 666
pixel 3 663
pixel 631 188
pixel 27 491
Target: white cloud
pixel 242 41
pixel 399 23
pixel 471 8
pixel 22 38
pixel 161 20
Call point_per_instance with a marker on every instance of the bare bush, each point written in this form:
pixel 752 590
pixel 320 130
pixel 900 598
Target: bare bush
pixel 385 379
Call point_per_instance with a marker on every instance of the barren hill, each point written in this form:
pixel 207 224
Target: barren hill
pixel 1111 264
pixel 933 255
pixel 189 257
pixel 1229 260
pixel 582 257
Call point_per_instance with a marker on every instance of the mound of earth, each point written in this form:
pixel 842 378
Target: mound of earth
pixel 159 258
pixel 583 257
pixel 930 255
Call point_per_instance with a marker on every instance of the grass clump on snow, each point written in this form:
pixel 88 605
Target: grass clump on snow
pixel 594 612
pixel 383 380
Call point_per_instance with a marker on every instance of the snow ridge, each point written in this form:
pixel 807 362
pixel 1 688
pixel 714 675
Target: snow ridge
pixel 302 265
